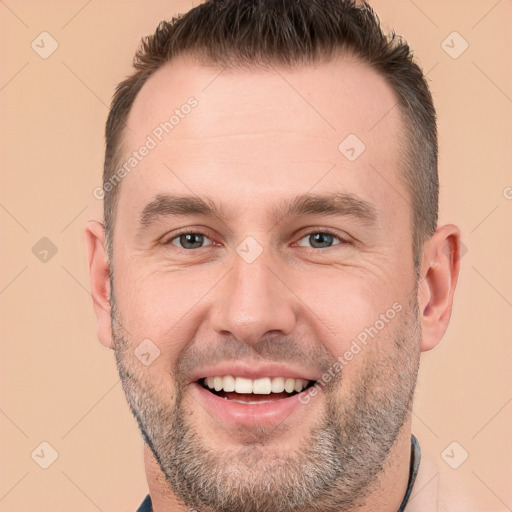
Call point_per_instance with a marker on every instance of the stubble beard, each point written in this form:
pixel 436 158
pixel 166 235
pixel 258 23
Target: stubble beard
pixel 335 469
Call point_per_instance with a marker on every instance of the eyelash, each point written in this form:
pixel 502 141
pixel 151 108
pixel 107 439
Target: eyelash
pixel 324 231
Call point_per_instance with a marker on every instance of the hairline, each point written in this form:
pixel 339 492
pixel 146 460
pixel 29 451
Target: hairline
pixel 407 131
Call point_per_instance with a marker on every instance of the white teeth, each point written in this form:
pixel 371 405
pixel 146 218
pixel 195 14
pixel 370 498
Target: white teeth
pixel 277 385
pixel 218 383
pixel 300 384
pixel 229 383
pixel 262 386
pixel 243 385
pixel 289 385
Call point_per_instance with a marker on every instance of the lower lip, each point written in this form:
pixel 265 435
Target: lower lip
pixel 261 413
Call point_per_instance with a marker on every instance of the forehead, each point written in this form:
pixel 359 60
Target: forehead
pixel 335 96
pixel 253 133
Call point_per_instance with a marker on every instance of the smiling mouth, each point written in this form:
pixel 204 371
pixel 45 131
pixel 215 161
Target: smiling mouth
pixel 253 391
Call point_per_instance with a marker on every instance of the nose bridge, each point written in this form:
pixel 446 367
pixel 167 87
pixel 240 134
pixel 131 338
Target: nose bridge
pixel 252 300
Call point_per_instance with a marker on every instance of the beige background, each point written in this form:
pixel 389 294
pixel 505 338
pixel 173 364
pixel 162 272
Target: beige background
pixel 59 385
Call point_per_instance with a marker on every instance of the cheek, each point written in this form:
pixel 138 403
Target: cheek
pixel 356 317
pixel 345 301
pixel 339 305
pixel 162 306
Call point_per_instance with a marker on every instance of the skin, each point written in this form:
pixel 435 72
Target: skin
pixel 251 142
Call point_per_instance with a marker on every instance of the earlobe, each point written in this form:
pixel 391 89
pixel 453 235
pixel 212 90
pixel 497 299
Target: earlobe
pixel 439 274
pixel 99 278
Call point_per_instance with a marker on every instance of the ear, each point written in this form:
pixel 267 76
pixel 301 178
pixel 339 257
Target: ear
pixel 99 274
pixel 438 277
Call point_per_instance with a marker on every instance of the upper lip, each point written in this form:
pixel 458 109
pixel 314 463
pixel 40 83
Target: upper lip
pixel 253 372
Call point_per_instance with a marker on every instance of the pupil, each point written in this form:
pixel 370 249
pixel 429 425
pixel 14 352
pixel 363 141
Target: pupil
pixel 191 240
pixel 321 238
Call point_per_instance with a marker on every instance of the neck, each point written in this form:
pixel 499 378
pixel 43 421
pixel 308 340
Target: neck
pixel 386 496
pixel 391 485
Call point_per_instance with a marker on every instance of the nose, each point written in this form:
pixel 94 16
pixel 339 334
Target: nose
pixel 252 302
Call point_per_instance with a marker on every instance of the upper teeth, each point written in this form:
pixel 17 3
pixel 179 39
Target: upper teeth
pixel 263 386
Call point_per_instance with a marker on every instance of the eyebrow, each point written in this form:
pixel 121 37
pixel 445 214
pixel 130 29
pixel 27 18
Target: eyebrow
pixel 335 204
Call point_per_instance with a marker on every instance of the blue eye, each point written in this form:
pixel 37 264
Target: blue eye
pixel 320 240
pixel 189 240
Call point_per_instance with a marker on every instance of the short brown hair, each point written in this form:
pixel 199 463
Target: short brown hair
pixel 245 33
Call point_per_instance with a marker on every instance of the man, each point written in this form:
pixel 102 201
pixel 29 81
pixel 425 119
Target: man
pixel 270 266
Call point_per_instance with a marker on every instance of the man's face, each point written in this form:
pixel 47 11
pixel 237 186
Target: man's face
pixel 263 291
